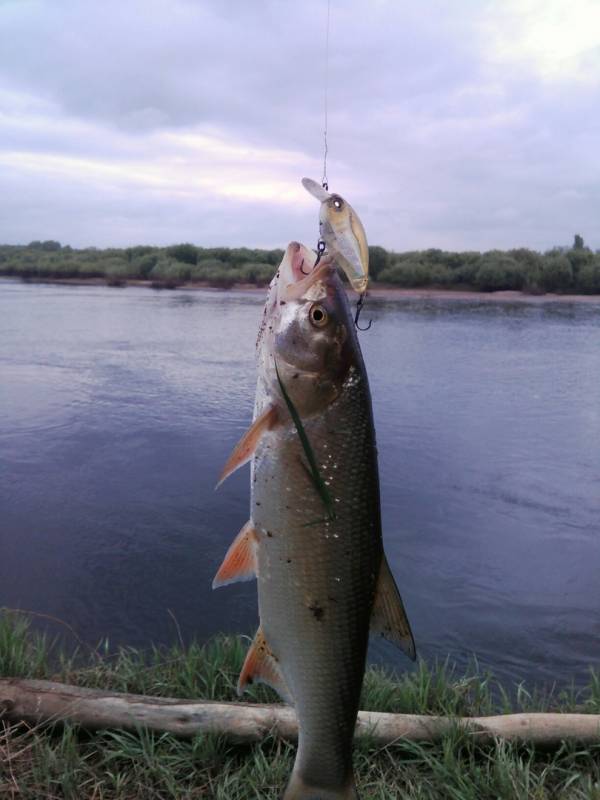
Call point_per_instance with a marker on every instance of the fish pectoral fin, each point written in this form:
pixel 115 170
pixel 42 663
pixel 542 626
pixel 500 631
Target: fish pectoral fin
pixel 245 448
pixel 388 618
pixel 239 563
pixel 261 666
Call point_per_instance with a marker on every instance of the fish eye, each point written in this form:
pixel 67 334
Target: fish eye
pixel 318 315
pixel 337 201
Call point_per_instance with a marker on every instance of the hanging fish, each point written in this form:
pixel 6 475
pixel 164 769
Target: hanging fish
pixel 343 233
pixel 314 535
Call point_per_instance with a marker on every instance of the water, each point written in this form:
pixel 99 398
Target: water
pixel 118 407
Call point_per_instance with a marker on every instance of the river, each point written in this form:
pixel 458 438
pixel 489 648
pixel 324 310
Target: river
pixel 118 408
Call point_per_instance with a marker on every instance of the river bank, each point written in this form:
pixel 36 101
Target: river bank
pixel 380 291
pixel 63 762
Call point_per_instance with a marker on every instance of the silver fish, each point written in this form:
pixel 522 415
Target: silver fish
pixel 314 535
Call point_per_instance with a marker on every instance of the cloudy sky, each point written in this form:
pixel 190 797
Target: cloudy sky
pixel 464 124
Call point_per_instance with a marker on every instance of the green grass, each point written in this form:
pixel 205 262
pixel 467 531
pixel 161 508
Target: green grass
pixel 67 763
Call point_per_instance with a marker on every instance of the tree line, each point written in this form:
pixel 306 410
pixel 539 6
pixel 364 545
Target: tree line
pixel 566 270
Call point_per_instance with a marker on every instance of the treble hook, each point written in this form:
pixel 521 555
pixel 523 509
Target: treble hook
pixel 359 307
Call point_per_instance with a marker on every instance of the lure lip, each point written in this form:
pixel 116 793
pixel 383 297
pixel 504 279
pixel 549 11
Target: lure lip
pixel 314 188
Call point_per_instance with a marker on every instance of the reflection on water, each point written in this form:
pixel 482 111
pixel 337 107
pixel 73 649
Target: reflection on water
pixel 118 408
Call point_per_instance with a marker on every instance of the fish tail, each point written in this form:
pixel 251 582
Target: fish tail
pixel 298 789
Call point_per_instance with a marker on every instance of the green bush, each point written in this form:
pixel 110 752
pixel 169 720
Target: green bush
pixel 169 270
pixel 137 252
pixel 208 267
pixel 556 273
pixel 406 273
pixel 467 273
pixel 243 255
pixel 117 271
pixel 143 265
pixel 379 259
pixel 498 271
pixel 49 245
pixel 219 253
pixel 578 259
pixel 256 272
pixel 588 277
pixel 273 257
pixel 560 269
pixel 186 253
pixel 224 278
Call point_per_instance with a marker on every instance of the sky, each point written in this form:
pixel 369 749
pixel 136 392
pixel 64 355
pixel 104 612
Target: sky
pixel 458 124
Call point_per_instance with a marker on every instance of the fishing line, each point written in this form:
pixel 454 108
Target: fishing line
pixel 324 181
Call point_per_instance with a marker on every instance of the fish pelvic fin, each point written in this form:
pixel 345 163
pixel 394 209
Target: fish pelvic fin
pixel 239 563
pixel 262 666
pixel 388 618
pixel 246 447
pixel 299 789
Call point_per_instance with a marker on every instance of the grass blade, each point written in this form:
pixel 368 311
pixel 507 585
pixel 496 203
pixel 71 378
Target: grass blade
pixel 313 468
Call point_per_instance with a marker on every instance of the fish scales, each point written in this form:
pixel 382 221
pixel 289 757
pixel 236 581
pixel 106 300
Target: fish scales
pixel 317 577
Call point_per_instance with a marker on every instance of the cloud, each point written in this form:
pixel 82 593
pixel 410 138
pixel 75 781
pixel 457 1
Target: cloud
pixel 471 126
pixel 559 41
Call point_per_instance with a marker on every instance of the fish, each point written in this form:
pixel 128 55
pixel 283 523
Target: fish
pixel 343 233
pixel 313 540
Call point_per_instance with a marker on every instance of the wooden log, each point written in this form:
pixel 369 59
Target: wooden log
pixel 36 702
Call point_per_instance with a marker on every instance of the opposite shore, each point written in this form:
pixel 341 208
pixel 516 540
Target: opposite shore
pixel 379 291
pixel 574 271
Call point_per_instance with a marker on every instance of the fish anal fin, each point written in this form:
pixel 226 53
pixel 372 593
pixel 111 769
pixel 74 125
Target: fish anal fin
pixel 388 618
pixel 239 563
pixel 245 448
pixel 261 666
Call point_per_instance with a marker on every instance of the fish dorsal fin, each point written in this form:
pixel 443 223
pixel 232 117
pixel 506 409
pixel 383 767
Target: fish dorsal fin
pixel 239 563
pixel 388 618
pixel 244 449
pixel 261 666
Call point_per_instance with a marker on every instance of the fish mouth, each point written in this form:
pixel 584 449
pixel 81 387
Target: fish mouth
pixel 314 284
pixel 301 275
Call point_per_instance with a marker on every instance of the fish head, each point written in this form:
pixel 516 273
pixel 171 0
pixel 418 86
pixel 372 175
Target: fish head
pixel 298 262
pixel 311 332
pixel 343 234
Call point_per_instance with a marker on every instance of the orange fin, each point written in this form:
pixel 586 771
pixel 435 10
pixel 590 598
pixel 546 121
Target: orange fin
pixel 388 618
pixel 239 563
pixel 261 666
pixel 244 449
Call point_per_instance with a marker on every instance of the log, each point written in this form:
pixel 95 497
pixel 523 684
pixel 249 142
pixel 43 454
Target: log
pixel 37 702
